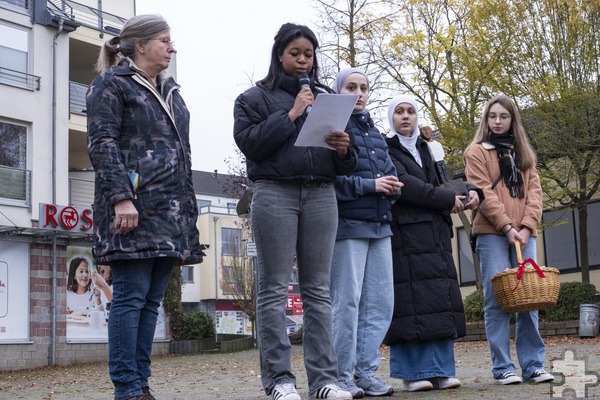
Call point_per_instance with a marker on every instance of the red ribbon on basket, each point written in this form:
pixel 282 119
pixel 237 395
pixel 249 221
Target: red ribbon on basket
pixel 521 271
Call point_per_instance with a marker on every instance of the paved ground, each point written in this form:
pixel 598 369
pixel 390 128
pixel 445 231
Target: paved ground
pixel 236 377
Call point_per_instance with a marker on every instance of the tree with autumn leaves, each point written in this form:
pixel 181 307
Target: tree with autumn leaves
pixel 453 55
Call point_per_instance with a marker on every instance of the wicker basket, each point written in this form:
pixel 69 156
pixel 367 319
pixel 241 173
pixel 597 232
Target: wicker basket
pixel 531 293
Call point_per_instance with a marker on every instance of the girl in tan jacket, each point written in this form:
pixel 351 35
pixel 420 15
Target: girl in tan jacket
pixel 501 161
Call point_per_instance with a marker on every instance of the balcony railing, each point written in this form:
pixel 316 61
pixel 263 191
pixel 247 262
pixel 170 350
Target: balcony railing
pixel 16 3
pixel 210 209
pixel 19 79
pixel 77 93
pixel 81 192
pixel 91 17
pixel 16 185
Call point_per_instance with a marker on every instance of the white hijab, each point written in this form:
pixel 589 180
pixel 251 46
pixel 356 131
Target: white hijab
pixel 408 142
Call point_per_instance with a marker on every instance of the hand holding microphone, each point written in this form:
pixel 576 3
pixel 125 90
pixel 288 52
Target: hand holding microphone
pixel 304 98
pixel 304 82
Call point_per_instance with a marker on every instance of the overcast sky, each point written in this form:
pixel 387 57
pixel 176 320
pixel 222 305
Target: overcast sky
pixel 221 49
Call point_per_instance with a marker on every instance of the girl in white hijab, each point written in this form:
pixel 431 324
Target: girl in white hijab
pixel 409 141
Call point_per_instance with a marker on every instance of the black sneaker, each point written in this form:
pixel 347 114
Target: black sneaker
pixel 147 393
pixel 540 376
pixel 507 378
pixel 142 397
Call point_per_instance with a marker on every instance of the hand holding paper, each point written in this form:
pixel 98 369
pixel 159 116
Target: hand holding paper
pixel 339 141
pixel 329 113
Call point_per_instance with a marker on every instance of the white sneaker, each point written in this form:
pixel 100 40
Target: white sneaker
pixel 540 376
pixel 331 391
pixel 417 386
pixel 508 378
pixel 445 383
pixel 285 391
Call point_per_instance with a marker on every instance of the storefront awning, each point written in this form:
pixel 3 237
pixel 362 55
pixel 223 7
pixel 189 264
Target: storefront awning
pixel 40 235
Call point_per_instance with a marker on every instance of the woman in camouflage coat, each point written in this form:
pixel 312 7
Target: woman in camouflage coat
pixel 144 208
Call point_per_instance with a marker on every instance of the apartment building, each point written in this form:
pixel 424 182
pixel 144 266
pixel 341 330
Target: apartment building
pixel 48 50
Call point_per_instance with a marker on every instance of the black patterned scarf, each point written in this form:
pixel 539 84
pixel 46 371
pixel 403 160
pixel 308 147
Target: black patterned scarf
pixel 509 161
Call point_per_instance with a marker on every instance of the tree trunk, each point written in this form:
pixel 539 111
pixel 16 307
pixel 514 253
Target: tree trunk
pixel 583 245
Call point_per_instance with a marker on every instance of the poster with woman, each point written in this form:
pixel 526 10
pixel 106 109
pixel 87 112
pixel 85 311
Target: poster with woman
pixel 89 294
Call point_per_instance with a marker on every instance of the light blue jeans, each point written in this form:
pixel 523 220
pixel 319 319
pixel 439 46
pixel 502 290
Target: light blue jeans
pixel 416 360
pixel 138 288
pixel 362 297
pixel 495 255
pixel 294 219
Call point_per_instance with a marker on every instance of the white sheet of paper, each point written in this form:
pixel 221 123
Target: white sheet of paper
pixel 330 112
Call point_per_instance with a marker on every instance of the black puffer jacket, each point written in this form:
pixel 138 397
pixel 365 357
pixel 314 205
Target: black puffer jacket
pixel 266 136
pixel 427 299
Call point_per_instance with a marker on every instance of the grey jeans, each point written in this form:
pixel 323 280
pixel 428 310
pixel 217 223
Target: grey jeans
pixel 294 219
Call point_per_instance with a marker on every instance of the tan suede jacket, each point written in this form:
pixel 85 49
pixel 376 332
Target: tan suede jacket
pixel 499 208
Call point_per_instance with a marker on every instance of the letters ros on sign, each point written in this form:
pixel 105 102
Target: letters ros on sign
pixel 65 218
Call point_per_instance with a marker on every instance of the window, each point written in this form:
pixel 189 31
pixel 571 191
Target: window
pixel 13 161
pixel 14 45
pixel 187 274
pixel 562 240
pixel 231 242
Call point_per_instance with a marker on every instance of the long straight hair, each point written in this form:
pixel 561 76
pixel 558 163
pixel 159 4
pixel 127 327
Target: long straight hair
pixel 526 154
pixel 286 34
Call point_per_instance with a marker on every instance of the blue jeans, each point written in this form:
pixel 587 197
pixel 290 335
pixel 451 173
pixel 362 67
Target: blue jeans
pixel 362 297
pixel 495 255
pixel 416 360
pixel 138 288
pixel 294 219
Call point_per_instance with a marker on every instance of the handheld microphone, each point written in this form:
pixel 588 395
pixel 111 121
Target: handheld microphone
pixel 304 82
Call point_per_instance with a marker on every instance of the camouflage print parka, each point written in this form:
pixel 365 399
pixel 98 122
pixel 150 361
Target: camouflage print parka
pixel 135 128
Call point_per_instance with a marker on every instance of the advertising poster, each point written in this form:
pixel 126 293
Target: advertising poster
pixel 14 289
pixel 89 294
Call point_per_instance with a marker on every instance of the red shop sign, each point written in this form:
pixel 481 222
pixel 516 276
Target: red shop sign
pixel 65 218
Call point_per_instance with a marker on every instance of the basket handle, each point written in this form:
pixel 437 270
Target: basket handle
pixel 519 254
pixel 521 267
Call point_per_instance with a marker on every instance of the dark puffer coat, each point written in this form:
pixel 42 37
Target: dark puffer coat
pixel 266 136
pixel 427 300
pixel 130 129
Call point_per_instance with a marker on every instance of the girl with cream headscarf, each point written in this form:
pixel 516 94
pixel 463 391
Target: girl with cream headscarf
pixel 428 309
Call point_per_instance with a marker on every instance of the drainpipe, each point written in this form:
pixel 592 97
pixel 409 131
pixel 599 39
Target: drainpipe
pixel 54 269
pixel 215 220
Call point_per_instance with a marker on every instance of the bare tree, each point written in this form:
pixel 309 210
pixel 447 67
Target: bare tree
pixel 352 33
pixel 237 278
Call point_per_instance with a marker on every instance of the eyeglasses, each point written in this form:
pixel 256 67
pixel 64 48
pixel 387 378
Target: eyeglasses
pixel 166 41
pixel 503 117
